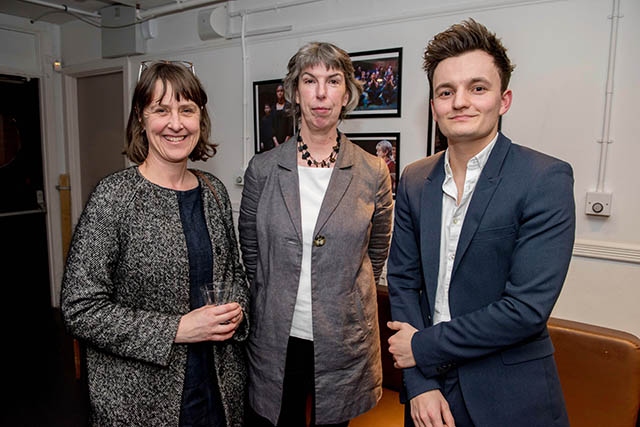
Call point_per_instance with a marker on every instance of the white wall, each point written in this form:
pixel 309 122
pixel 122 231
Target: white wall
pixel 561 51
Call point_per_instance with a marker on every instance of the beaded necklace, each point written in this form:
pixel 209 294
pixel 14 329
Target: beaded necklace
pixel 325 163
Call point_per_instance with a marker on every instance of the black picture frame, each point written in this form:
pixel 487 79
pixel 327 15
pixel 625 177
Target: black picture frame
pixel 378 103
pixel 436 141
pixel 369 142
pixel 264 92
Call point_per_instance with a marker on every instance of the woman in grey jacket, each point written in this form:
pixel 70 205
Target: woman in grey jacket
pixel 148 238
pixel 315 223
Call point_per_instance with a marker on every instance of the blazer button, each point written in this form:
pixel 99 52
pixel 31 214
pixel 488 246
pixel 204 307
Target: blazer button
pixel 319 241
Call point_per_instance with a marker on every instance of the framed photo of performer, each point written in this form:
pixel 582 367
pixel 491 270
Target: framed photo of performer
pixel 380 72
pixel 385 145
pixel 273 123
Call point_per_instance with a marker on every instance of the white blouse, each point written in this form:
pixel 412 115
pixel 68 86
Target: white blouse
pixel 313 186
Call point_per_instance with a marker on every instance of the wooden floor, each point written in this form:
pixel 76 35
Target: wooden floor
pixel 388 413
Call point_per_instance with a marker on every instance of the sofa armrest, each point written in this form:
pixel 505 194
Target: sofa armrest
pixel 599 371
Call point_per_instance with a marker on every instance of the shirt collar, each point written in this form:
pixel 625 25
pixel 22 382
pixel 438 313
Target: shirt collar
pixel 476 162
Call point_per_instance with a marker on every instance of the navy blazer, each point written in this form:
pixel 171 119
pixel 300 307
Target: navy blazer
pixel 510 264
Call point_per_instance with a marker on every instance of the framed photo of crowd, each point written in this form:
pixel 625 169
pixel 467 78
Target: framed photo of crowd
pixel 273 123
pixel 382 144
pixel 380 72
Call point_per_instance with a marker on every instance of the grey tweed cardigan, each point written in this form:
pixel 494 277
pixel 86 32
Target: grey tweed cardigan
pixel 125 287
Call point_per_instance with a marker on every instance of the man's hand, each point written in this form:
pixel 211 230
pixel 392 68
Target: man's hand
pixel 400 344
pixel 431 409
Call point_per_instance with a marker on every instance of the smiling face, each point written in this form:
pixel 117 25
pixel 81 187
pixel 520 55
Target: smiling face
pixel 321 94
pixel 172 126
pixel 467 101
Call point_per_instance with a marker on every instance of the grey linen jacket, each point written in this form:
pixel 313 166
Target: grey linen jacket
pixel 125 288
pixel 355 222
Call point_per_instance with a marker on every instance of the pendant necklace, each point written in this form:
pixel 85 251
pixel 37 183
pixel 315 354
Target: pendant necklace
pixel 325 163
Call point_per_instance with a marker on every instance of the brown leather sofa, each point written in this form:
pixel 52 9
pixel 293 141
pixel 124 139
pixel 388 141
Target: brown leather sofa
pixel 600 373
pixel 599 369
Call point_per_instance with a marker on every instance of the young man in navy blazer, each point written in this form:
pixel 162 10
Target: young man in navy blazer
pixel 481 246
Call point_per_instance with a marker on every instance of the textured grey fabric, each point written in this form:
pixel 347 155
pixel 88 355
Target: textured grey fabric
pixel 355 223
pixel 125 287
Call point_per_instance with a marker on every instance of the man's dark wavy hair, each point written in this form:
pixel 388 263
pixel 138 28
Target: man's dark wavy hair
pixel 464 37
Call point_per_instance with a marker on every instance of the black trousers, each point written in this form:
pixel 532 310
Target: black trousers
pixel 298 390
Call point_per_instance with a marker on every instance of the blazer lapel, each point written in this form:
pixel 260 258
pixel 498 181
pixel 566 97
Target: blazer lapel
pixel 486 186
pixel 340 179
pixel 288 180
pixel 430 219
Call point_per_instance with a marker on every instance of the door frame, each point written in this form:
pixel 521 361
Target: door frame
pixel 70 76
pixel 70 88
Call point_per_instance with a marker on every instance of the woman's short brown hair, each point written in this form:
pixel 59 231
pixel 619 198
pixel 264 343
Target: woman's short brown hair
pixel 312 54
pixel 185 85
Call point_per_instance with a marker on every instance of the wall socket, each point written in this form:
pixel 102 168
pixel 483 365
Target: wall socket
pixel 598 203
pixel 239 177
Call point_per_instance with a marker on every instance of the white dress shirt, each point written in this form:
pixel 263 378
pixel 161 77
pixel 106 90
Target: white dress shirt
pixel 453 214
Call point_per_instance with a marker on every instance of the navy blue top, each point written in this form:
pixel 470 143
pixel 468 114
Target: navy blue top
pixel 201 403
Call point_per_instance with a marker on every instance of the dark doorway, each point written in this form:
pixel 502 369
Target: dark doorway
pixel 38 391
pixel 23 252
pixel 24 256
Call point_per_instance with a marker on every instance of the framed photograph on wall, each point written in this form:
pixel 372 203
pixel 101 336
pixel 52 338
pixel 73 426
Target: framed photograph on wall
pixel 436 140
pixel 380 71
pixel 382 144
pixel 273 123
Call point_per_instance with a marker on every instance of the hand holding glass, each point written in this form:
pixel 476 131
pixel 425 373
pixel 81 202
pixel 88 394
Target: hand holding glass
pixel 215 293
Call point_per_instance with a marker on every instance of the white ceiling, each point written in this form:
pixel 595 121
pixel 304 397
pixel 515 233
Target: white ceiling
pixel 52 11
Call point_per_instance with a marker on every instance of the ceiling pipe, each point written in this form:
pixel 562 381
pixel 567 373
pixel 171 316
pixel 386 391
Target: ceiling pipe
pixel 64 8
pixel 245 102
pixel 606 121
pixel 179 6
pixel 259 32
pixel 271 7
pixel 271 30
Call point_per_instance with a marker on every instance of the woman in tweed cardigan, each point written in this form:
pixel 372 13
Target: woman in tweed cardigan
pixel 148 237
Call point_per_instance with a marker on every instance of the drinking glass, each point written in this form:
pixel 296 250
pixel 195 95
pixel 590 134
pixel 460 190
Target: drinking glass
pixel 216 293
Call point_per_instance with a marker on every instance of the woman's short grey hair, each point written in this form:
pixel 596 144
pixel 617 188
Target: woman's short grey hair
pixel 315 53
pixel 385 145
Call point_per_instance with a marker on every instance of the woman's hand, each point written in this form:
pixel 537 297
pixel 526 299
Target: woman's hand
pixel 209 323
